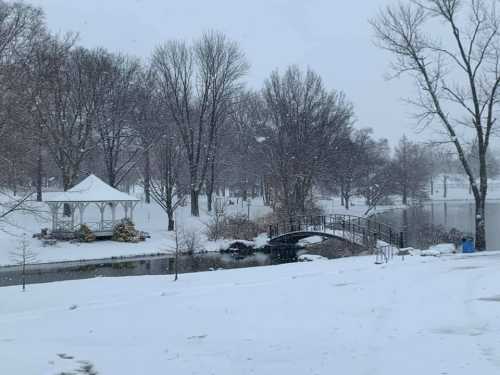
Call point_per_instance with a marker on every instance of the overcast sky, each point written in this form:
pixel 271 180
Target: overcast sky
pixel 332 37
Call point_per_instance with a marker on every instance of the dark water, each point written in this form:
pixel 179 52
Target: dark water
pixel 416 221
pixel 116 268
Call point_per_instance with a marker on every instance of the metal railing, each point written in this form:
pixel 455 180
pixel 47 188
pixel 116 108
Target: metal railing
pixel 363 231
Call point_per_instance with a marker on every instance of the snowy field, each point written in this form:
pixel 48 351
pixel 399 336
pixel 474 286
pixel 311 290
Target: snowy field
pixel 432 315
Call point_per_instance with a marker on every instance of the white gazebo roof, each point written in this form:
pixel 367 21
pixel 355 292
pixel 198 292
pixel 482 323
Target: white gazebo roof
pixel 91 189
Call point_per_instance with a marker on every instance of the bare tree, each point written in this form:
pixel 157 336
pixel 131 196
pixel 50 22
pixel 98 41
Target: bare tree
pixel 23 256
pixel 198 83
pixel 458 81
pixel 373 168
pixel 72 102
pixel 21 26
pixel 165 178
pixel 303 119
pixel 117 138
pixel 410 169
pixel 148 122
pixel 245 167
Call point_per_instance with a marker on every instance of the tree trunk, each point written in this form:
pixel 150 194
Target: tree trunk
pixel 480 221
pixel 432 186
pixel 147 177
pixel 171 223
pixel 481 202
pixel 39 166
pixel 209 199
pixel 405 194
pixel 195 208
pixel 445 187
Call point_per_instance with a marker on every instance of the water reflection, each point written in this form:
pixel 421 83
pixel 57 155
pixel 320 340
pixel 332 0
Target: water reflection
pixel 417 221
pixel 145 266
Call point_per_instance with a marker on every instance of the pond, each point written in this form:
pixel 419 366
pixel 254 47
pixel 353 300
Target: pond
pixel 153 265
pixel 421 222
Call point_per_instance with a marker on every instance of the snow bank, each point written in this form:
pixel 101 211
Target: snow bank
pixel 311 258
pixel 440 249
pixel 434 316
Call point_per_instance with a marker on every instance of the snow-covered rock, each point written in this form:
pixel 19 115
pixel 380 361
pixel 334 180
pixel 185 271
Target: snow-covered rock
pixel 440 249
pixel 311 258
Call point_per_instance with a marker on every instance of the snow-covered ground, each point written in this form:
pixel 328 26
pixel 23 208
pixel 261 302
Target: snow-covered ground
pixel 358 207
pixel 458 190
pixel 150 218
pixel 432 315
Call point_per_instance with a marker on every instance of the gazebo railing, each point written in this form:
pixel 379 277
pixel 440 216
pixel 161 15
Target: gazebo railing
pixel 66 226
pixel 69 227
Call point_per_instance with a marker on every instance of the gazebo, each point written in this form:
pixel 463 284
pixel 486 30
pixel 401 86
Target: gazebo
pixel 91 191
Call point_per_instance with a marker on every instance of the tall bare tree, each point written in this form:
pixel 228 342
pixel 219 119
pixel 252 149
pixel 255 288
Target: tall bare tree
pixel 245 154
pixel 167 162
pixel 303 119
pixel 21 25
pixel 198 83
pixel 457 76
pixel 72 102
pixel 410 169
pixel 117 138
pixel 148 123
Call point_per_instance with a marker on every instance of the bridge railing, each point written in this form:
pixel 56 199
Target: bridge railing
pixel 364 231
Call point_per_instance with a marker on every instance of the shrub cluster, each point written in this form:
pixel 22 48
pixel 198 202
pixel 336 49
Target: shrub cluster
pixel 125 232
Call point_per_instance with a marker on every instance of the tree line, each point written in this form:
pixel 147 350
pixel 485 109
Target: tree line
pixel 183 123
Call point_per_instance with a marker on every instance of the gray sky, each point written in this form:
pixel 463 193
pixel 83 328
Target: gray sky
pixel 332 37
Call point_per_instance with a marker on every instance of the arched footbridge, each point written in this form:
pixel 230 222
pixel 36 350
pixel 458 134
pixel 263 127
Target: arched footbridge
pixel 364 232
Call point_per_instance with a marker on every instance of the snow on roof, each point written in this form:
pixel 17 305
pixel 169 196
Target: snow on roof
pixel 91 189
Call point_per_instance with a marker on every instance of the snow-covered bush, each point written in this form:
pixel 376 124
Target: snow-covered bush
pixel 85 234
pixel 125 232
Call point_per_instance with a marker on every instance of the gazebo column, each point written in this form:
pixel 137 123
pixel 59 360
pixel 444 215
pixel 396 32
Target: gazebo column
pixel 132 206
pixel 102 207
pixel 54 207
pixel 72 207
pixel 81 210
pixel 113 213
pixel 125 207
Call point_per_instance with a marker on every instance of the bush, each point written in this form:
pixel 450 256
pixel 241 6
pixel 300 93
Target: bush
pixel 190 243
pixel 233 227
pixel 85 234
pixel 125 232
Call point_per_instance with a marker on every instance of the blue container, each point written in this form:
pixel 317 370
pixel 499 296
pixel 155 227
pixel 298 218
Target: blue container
pixel 468 245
